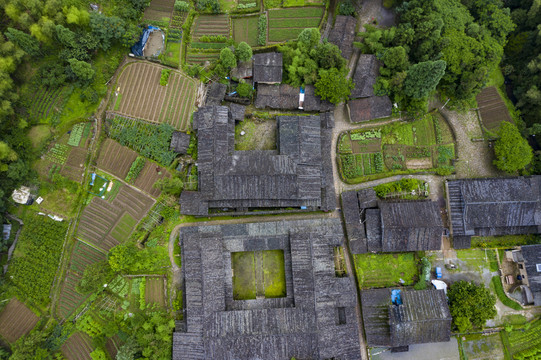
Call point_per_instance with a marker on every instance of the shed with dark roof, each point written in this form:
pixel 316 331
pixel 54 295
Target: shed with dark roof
pixel 370 108
pixel 366 73
pixel 422 317
pixel 497 206
pixel 237 111
pixel 215 93
pixel 343 33
pixel 268 68
pixel 180 142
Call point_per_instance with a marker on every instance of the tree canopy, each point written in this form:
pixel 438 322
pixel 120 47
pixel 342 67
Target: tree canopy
pixel 243 51
pixel 333 86
pixel 512 151
pixel 471 305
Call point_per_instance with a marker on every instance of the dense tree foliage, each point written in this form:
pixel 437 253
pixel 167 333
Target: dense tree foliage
pixel 464 40
pixel 471 305
pixel 512 151
pixel 127 258
pixel 94 277
pixel 307 61
pixel 227 58
pixel 243 51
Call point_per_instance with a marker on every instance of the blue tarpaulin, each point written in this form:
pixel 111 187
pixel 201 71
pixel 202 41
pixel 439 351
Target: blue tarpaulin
pixel 139 46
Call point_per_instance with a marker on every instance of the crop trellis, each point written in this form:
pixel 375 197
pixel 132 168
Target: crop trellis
pixel 153 218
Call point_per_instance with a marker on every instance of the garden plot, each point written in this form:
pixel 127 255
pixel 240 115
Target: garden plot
pixel 482 347
pixel 82 256
pixel 158 10
pixel 154 291
pixel 16 320
pixel 208 25
pixel 492 109
pixel 245 29
pixel 112 345
pixel 143 97
pixel 258 274
pixel 424 144
pixel 44 102
pixel 287 24
pixel 385 270
pixel 524 343
pixel 115 158
pixel 148 177
pixel 78 347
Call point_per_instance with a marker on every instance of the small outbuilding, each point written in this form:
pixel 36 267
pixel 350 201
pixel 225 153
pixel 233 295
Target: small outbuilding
pixel 370 108
pixel 215 93
pixel 268 68
pixel 237 111
pixel 180 142
pixel 528 258
pixel 343 33
pixel 22 195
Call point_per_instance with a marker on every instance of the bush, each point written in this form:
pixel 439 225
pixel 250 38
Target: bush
pixel 378 161
pixel 262 30
pixel 370 134
pixel 181 5
pixel 246 6
pixel 164 78
pixel 445 170
pixel 243 51
pixel 398 186
pixel 244 89
pixel 142 301
pixel 213 38
pixel 135 169
pixel 346 8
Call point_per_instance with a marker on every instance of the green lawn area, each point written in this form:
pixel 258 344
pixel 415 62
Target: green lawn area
pixel 258 135
pixel 243 265
pixel 385 270
pixel 124 227
pixel 38 134
pixel 274 273
pixel 478 259
pixel 482 347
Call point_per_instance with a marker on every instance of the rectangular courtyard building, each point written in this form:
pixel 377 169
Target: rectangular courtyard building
pixel 298 174
pixel 314 318
pixel 489 207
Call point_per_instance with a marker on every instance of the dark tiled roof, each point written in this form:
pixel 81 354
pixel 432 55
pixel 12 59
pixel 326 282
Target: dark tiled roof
pixel 366 72
pixel 369 108
pixel 218 327
pixel 378 226
pixel 295 175
pixel 487 207
pixel 215 93
pixel 180 142
pixel 268 67
pixel 282 96
pixel 423 317
pixel 313 102
pixel 532 257
pixel 237 111
pixel 343 33
pixel 243 70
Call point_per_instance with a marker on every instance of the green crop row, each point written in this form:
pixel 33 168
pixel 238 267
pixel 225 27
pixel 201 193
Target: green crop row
pixel 135 169
pixel 76 134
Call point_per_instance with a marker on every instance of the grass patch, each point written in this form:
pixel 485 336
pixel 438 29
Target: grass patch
pixel 496 285
pixel 478 260
pixel 243 266
pixel 117 101
pixel 39 134
pixel 385 270
pixel 245 29
pixel 258 135
pixel 274 273
pixel 172 54
pixel 515 319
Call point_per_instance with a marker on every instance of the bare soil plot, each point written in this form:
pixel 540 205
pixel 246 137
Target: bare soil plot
pixel 16 320
pixel 115 158
pixel 78 347
pixel 112 345
pixel 69 298
pixel 159 9
pixel 200 58
pixel 154 291
pixel 144 98
pixel 148 176
pixel 492 108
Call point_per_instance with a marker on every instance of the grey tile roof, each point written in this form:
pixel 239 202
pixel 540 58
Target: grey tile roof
pixel 298 174
pixel 268 67
pixel 180 142
pixel 366 72
pixel 215 93
pixel 308 327
pixel 532 257
pixel 497 206
pixel 369 108
pixel 286 97
pixel 423 317
pixel 343 33
pixel 237 111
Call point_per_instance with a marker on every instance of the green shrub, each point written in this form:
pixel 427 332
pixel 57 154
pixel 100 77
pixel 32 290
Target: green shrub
pixel 437 130
pixel 445 154
pixel 246 6
pixel 378 161
pixel 346 8
pixel 366 135
pixel 142 301
pixel 164 78
pixel 406 185
pixel 262 30
pixel 213 38
pixel 244 89
pixel 181 5
pixel 444 170
pixel 135 169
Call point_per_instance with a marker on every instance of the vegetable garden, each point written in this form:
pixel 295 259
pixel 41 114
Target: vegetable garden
pixel 144 98
pixel 421 145
pixel 209 36
pixel 16 320
pixel 287 24
pixel 43 102
pixel 155 291
pixel 492 109
pixel 524 343
pixel 36 256
pixel 78 347
pixel 158 10
pixel 385 270
pixel 115 158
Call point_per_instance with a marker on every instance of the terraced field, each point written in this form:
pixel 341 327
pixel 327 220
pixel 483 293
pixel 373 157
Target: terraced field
pixel 207 25
pixel 287 24
pixel 154 291
pixel 148 176
pixel 115 158
pixel 16 320
pixel 102 226
pixel 199 58
pixel 43 103
pixel 144 98
pixel 159 9
pixel 78 347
